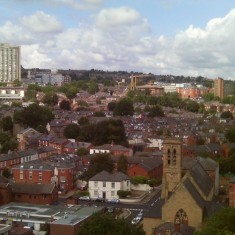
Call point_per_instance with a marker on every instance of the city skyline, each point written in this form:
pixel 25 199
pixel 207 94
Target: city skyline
pixel 178 37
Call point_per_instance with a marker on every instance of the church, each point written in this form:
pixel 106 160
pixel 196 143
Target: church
pixel 188 194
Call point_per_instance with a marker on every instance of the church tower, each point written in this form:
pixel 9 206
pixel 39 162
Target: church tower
pixel 172 154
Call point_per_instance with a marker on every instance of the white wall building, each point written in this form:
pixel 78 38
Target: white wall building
pixel 106 185
pixel 10 67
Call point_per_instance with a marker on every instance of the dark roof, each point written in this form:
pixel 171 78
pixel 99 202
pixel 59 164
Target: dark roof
pixel 33 188
pixel 193 191
pixel 201 178
pixel 109 177
pixel 206 163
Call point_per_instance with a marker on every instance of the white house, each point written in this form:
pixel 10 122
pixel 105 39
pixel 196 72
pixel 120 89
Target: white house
pixel 106 185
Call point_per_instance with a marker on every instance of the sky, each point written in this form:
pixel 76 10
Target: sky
pixel 177 37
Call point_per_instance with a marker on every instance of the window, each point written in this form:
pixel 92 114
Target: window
pixel 40 176
pixel 104 184
pixel 62 178
pixel 95 184
pixel 21 176
pixel 113 185
pixel 112 193
pixel 30 175
pixel 127 183
pixel 96 193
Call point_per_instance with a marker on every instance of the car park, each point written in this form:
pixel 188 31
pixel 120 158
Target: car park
pixel 113 200
pixel 84 198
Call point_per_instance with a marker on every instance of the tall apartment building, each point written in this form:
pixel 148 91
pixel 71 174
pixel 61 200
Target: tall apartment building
pixel 10 66
pixel 223 88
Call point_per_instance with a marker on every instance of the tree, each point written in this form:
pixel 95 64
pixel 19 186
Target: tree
pixel 33 116
pixel 154 111
pixel 105 224
pixel 65 105
pixel 50 99
pixel 230 134
pixel 124 107
pixel 221 223
pixel 7 123
pixel 83 121
pixel 72 131
pixel 97 164
pixel 82 151
pixel 111 105
pixel 122 164
pixel 226 114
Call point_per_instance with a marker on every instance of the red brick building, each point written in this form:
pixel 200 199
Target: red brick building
pixel 151 167
pixel 35 193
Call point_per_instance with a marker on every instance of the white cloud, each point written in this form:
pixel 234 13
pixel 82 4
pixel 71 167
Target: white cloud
pixel 120 39
pixel 41 23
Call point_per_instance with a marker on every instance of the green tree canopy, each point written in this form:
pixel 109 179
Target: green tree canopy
pixel 154 111
pixel 124 107
pixel 33 116
pixel 97 164
pixel 220 223
pixel 105 224
pixel 111 105
pixel 226 114
pixel 50 99
pixel 72 131
pixel 230 134
pixel 7 123
pixel 122 164
pixel 65 105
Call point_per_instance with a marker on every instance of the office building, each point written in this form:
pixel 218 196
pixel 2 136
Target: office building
pixel 10 67
pixel 223 88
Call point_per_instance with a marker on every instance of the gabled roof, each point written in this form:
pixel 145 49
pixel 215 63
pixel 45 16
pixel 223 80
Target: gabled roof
pixel 33 188
pixel 201 178
pixel 206 163
pixel 109 177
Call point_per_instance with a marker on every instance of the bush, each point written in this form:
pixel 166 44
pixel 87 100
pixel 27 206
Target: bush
pixel 123 193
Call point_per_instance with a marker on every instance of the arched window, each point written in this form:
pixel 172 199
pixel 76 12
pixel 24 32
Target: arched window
pixel 168 156
pixel 174 157
pixel 181 217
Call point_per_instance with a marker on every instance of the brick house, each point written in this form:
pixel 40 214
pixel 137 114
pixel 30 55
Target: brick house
pixel 35 193
pixel 57 170
pixel 150 167
pixel 72 147
pixel 5 191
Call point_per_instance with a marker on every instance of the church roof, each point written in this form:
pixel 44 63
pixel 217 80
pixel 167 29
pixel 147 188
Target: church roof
pixel 193 191
pixel 201 178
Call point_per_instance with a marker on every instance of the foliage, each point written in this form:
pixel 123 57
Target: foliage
pixel 220 223
pixel 9 145
pixel 7 123
pixel 226 114
pixel 139 180
pixel 123 193
pixel 83 121
pixel 229 99
pixel 111 105
pixel 105 224
pixel 6 173
pixel 65 105
pixel 208 97
pixel 230 134
pixel 122 164
pixel 97 164
pixel 50 99
pixel 33 116
pixel 82 151
pixel 104 132
pixel 72 131
pixel 154 111
pixel 17 82
pixel 123 107
pixel 192 106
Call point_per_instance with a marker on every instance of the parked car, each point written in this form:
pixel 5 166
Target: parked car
pixel 136 220
pixel 99 199
pixel 84 198
pixel 113 200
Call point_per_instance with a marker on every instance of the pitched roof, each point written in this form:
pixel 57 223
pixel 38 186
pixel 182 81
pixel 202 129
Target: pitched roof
pixel 206 163
pixel 33 188
pixel 109 177
pixel 201 178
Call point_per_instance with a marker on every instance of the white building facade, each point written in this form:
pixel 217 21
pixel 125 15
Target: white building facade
pixel 10 65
